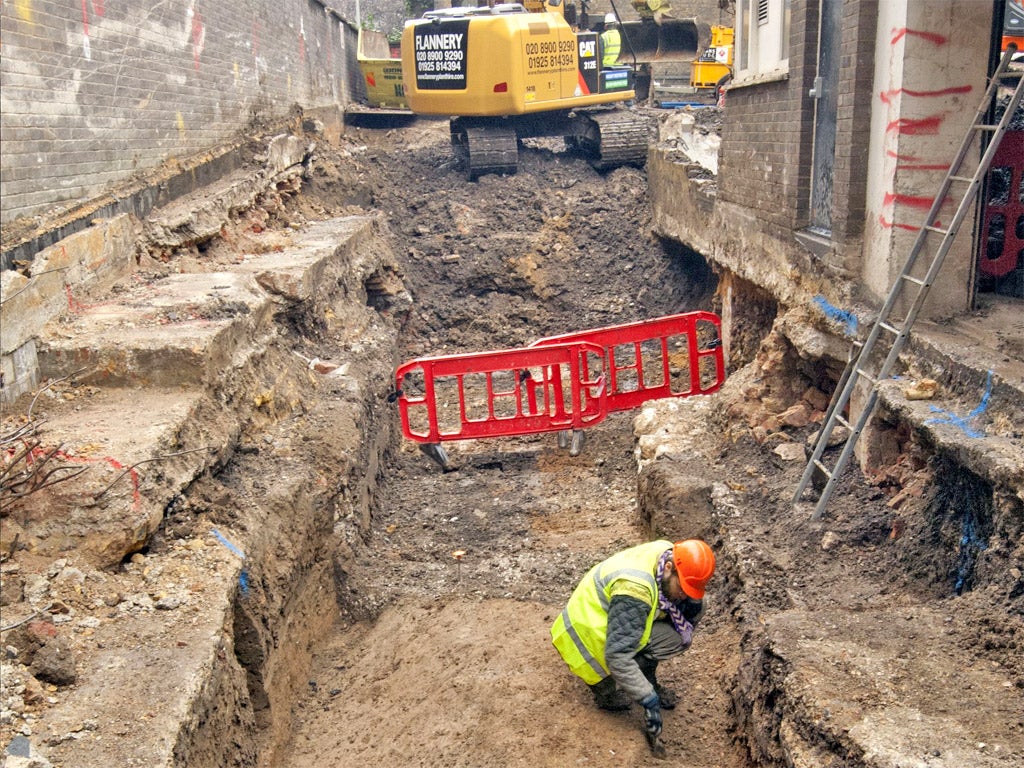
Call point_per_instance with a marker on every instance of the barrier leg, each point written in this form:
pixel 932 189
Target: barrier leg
pixel 576 444
pixel 437 453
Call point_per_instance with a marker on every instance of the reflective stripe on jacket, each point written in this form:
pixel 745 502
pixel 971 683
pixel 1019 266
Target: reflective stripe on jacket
pixel 580 631
pixel 611 44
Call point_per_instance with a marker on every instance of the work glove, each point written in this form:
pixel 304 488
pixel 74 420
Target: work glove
pixel 652 725
pixel 652 716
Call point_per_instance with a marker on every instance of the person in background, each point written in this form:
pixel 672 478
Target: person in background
pixel 628 613
pixel 611 41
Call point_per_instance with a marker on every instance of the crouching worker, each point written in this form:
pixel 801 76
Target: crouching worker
pixel 630 612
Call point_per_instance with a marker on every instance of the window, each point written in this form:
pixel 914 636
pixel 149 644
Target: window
pixel 762 39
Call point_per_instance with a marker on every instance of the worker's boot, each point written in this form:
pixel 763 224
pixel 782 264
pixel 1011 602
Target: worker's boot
pixel 649 666
pixel 608 697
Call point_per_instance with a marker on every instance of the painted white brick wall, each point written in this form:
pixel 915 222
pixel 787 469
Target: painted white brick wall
pixel 96 92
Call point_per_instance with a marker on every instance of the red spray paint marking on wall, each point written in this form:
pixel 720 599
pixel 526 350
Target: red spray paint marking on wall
pixel 888 224
pixel 888 96
pixel 908 201
pixel 198 38
pixel 909 126
pixel 912 201
pixel 97 8
pixel 914 163
pixel 932 37
pixel 914 127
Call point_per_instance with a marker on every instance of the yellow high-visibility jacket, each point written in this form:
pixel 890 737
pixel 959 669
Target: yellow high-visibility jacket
pixel 580 631
pixel 611 44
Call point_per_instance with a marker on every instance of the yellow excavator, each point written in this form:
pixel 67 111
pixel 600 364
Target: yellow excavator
pixel 511 71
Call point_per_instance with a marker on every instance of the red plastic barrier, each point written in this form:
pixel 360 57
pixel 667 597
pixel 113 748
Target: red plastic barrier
pixel 654 359
pixel 496 394
pixel 566 382
pixel 1000 257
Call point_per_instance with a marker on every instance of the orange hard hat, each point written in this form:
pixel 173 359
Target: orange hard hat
pixel 695 564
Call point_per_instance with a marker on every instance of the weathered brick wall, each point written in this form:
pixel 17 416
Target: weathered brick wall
pixel 768 137
pixel 96 92
pixel 765 160
pixel 853 118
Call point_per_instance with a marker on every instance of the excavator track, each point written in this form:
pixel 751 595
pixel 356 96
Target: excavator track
pixel 615 137
pixel 607 137
pixel 481 149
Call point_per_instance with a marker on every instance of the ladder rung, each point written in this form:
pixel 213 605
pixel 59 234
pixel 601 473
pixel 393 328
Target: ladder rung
pixel 912 279
pixel 937 229
pixel 866 375
pixel 1007 74
pixel 844 422
pixel 890 328
pixel 964 179
pixel 987 127
pixel 822 467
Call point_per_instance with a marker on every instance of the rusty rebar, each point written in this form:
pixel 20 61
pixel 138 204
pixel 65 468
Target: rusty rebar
pixel 44 388
pixel 127 470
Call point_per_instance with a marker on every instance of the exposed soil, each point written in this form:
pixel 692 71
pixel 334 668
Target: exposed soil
pixel 437 652
pixel 444 659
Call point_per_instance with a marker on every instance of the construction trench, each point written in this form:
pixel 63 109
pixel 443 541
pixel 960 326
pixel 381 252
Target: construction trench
pixel 258 570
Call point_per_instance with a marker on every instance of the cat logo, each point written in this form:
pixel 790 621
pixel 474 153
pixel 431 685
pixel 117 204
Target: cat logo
pixel 588 49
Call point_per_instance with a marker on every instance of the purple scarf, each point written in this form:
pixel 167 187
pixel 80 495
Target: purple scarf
pixel 679 622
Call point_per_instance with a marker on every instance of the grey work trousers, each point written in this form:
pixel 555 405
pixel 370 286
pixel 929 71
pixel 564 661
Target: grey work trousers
pixel 665 642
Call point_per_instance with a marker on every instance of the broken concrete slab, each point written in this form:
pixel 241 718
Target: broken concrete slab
pixel 194 329
pixel 199 216
pixel 138 448
pixel 185 362
pixel 286 151
pixel 136 657
pixel 179 330
pixel 215 636
pixel 304 270
pixel 848 682
pixel 189 627
pixel 63 274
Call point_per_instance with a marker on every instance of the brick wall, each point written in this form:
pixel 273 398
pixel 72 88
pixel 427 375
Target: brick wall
pixel 96 92
pixel 853 118
pixel 768 133
pixel 765 160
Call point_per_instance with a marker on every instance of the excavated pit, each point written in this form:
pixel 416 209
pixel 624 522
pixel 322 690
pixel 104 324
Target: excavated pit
pixel 350 603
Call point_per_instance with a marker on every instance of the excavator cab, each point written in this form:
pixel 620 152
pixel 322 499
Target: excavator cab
pixel 658 45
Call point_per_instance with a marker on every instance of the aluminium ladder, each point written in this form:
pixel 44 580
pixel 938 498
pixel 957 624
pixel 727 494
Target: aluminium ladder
pixel 857 365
